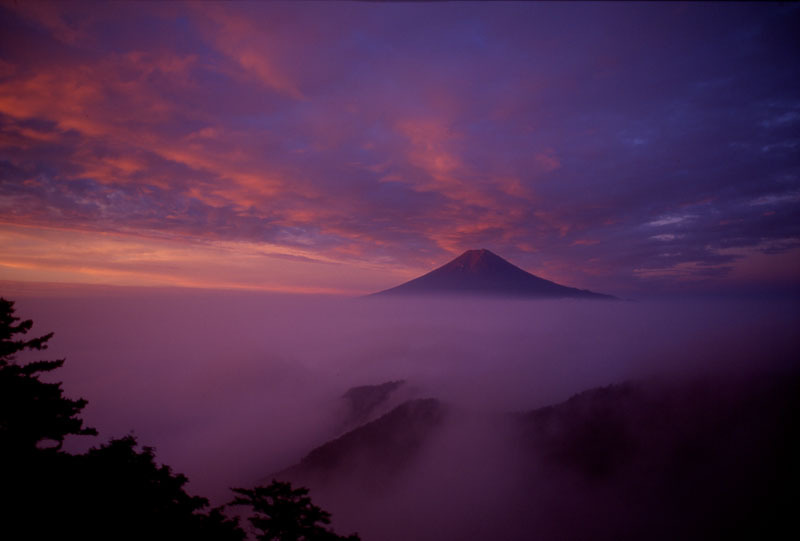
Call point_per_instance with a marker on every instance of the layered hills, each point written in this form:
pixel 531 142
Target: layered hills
pixel 693 459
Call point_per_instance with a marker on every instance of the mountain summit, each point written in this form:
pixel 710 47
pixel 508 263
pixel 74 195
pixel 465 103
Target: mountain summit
pixel 482 272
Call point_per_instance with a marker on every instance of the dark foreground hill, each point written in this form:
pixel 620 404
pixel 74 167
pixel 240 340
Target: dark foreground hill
pixel 481 272
pixel 703 459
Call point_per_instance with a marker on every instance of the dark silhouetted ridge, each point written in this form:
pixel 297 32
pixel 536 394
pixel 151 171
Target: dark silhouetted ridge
pixel 485 273
pixel 364 401
pixel 380 448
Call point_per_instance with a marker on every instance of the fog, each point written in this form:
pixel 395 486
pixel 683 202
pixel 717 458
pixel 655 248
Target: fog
pixel 231 387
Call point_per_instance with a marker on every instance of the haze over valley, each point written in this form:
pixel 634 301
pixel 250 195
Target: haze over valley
pixel 233 388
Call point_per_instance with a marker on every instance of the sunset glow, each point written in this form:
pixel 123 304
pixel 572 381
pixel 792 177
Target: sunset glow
pixel 397 270
pixel 346 147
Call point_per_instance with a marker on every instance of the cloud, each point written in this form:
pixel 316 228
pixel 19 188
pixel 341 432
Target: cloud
pixel 247 43
pixel 399 138
pixel 63 255
pixel 776 199
pixel 670 220
pixel 665 237
pixel 50 15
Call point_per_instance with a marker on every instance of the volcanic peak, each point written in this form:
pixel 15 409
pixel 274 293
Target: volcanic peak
pixel 476 259
pixel 481 272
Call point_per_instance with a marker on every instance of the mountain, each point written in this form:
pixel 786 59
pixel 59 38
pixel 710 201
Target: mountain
pixel 481 272
pixel 379 449
pixel 697 458
pixel 363 401
pixel 684 458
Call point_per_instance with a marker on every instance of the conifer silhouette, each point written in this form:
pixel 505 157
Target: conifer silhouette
pixel 114 491
pixel 33 414
pixel 282 513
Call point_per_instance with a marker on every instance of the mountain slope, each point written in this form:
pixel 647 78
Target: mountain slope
pixel 705 458
pixel 363 401
pixel 381 447
pixel 481 272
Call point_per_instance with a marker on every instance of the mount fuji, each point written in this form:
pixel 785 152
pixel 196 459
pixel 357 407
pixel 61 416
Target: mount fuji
pixel 481 272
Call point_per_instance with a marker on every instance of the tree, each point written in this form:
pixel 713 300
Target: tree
pixel 33 414
pixel 119 489
pixel 113 491
pixel 116 490
pixel 281 513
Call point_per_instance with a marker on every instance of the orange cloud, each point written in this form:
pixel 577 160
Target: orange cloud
pixel 249 46
pixel 112 105
pixel 58 255
pixel 548 160
pixel 434 150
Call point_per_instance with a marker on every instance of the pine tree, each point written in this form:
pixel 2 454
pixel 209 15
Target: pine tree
pixel 34 415
pixel 116 490
pixel 281 513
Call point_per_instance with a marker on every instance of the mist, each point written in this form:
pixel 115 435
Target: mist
pixel 233 387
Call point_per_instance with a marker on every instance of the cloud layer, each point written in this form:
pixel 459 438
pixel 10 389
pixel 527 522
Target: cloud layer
pixel 621 148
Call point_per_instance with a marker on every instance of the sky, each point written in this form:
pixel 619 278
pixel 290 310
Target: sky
pixel 344 148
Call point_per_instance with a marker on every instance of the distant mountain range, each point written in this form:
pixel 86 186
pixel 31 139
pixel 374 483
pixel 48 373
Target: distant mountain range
pixel 481 272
